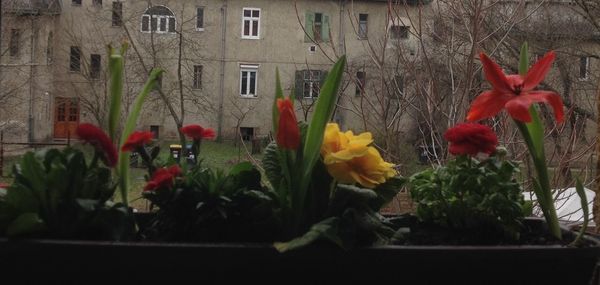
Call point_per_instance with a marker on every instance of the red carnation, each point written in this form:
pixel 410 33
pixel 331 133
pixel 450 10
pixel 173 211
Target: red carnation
pixel 101 142
pixel 197 132
pixel 136 140
pixel 471 139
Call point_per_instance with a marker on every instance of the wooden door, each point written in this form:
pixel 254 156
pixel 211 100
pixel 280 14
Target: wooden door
pixel 66 117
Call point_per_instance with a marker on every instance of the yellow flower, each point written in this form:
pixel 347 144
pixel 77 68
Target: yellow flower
pixel 350 159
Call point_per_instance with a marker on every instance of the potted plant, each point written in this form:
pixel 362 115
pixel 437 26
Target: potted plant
pixel 312 215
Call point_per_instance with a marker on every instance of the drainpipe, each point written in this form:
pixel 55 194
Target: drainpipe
pixel 30 124
pixel 222 72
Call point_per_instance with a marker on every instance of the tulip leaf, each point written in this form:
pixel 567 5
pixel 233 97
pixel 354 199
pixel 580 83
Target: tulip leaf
pixel 134 113
pixel 524 59
pixel 115 67
pixel 278 95
pixel 326 229
pixel 321 116
pixel 586 211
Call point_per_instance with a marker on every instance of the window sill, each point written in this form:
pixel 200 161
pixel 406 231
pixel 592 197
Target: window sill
pixel 199 29
pixel 249 96
pixel 250 38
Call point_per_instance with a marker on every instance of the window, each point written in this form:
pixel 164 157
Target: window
pixel 50 48
pixel 197 77
pixel 360 83
pixel 248 75
pixel 311 85
pixel 316 27
pixel 399 32
pixel 200 19
pixel 158 19
pixel 584 67
pixel 251 23
pixel 95 60
pixel 363 27
pixel 117 14
pixel 97 2
pixel 247 133
pixel 75 62
pixel 15 37
pixel 155 131
pixel 76 2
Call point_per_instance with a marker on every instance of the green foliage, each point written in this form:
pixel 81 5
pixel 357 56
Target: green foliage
pixel 469 195
pixel 56 194
pixel 209 205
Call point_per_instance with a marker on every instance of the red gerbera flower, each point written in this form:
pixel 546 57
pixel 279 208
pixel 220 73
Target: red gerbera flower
pixel 101 142
pixel 197 132
pixel 288 133
pixel 514 92
pixel 137 139
pixel 163 178
pixel 471 139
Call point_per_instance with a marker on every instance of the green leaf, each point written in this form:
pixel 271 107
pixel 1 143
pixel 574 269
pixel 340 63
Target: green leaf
pixel 134 113
pixel 326 229
pixel 387 191
pixel 115 67
pixel 321 116
pixel 524 59
pixel 271 165
pixel 241 167
pixel 350 196
pixel 26 223
pixel 278 95
pixel 586 211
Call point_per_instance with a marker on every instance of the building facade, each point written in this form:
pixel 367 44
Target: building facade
pixel 220 59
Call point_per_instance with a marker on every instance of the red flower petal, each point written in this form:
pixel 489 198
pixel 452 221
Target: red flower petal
pixel 193 131
pixel 137 139
pixel 175 170
pixel 487 104
pixel 96 137
pixel 518 107
pixel 208 133
pixel 288 133
pixel 471 139
pixel 538 71
pixel 494 74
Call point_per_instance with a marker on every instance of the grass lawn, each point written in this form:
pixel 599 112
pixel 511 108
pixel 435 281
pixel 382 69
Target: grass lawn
pixel 214 155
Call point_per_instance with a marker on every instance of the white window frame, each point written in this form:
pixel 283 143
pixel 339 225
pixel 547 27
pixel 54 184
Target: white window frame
pixel 251 19
pixel 200 29
pixel 364 36
pixel 587 68
pixel 308 77
pixel 158 18
pixel 249 68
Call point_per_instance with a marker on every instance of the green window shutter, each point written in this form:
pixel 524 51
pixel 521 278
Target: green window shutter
pixel 298 84
pixel 308 26
pixel 325 29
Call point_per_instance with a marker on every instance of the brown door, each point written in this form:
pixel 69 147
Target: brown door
pixel 66 117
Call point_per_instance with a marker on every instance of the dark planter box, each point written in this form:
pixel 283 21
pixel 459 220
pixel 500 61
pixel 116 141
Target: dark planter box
pixel 83 262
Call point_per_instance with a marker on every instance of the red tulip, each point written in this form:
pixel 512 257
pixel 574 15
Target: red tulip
pixel 514 92
pixel 97 138
pixel 197 132
pixel 137 139
pixel 471 139
pixel 163 178
pixel 288 133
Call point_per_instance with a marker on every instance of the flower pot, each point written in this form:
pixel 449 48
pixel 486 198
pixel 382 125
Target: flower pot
pixel 83 261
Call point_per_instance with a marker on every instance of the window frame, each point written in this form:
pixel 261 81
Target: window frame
pixel 586 67
pixel 117 16
pixel 361 82
pixel 251 19
pixel 95 74
pixel 249 68
pixel 200 28
pixel 159 19
pixel 76 2
pixel 401 37
pixel 363 35
pixel 312 78
pixel 71 59
pixel 14 45
pixel 197 77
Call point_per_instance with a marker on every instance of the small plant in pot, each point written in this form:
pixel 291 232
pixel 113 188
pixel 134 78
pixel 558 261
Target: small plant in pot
pixel 478 201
